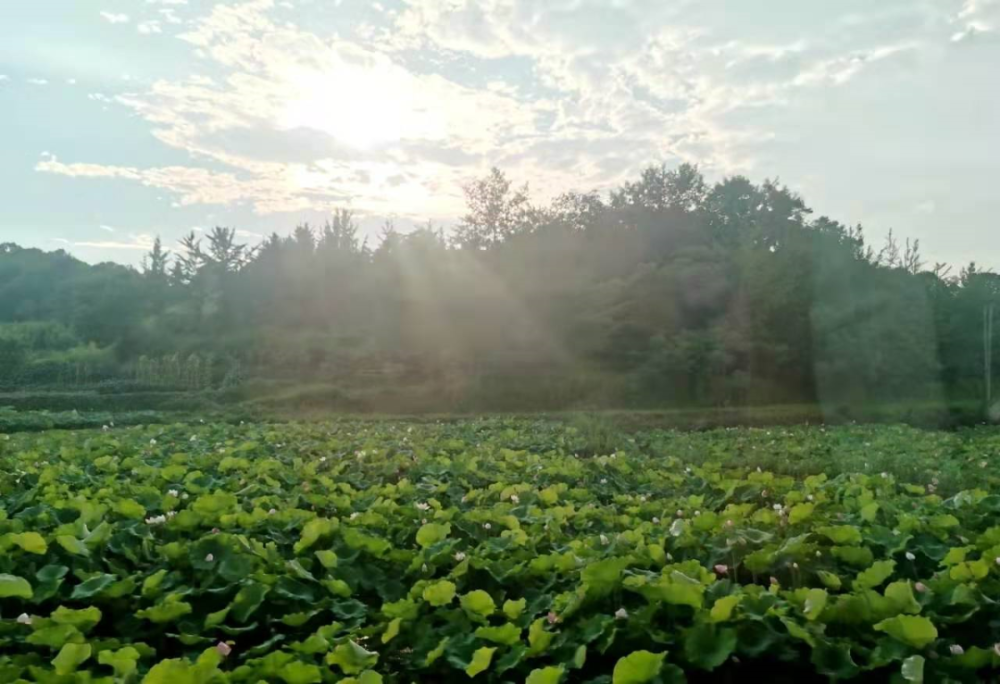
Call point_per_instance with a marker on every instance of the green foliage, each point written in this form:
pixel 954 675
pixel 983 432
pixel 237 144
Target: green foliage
pixel 489 549
pixel 667 292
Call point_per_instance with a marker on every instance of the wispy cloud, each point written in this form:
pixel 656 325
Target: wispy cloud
pixel 149 27
pixel 139 242
pixel 115 18
pixel 107 229
pixel 298 119
pixel 38 81
pixel 170 16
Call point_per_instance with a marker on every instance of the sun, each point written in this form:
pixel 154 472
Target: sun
pixel 362 105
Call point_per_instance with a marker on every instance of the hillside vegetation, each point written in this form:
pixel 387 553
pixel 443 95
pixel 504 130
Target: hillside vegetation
pixel 668 292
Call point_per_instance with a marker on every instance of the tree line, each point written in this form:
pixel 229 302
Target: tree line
pixel 668 291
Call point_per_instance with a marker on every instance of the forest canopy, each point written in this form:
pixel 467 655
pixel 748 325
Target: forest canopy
pixel 669 291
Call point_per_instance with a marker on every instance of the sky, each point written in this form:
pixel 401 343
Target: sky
pixel 121 120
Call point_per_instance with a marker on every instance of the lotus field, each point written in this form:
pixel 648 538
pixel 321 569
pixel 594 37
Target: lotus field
pixel 497 551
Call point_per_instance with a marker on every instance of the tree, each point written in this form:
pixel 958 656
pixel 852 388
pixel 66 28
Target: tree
pixel 154 264
pixel 496 212
pixel 666 291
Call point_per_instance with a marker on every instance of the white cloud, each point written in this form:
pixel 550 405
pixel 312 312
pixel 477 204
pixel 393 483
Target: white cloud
pixel 70 81
pixel 38 81
pixel 107 229
pixel 170 16
pixel 926 207
pixel 567 94
pixel 149 27
pixel 138 242
pixel 115 18
pixel 4 77
pixel 976 17
pixel 141 242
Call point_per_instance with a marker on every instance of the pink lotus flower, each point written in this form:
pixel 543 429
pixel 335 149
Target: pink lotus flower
pixel 920 587
pixel 721 569
pixel 223 648
pixel 552 617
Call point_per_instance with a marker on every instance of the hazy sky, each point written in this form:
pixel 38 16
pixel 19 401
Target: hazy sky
pixel 124 119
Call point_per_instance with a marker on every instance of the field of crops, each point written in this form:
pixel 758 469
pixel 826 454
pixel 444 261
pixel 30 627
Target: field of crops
pixel 497 551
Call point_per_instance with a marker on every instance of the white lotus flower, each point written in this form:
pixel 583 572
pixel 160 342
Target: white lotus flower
pixel 604 539
pixel 604 480
pixel 514 498
pixel 24 619
pixel 421 506
pixel 656 521
pixel 209 558
pixel 488 526
pixel 621 614
pixel 956 649
pixel 910 556
pixel 152 442
pixel 174 493
pixel 460 556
